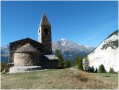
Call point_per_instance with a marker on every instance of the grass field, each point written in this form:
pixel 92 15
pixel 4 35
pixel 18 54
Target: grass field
pixel 69 78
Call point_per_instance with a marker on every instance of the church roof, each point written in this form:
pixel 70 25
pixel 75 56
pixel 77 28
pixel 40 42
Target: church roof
pixel 44 20
pixel 24 39
pixel 51 57
pixel 26 48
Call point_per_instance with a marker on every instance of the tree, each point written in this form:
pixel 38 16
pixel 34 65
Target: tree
pixel 102 69
pixel 61 58
pixel 80 65
pixel 67 63
pixel 92 69
pixel 78 62
pixel 111 70
pixel 96 70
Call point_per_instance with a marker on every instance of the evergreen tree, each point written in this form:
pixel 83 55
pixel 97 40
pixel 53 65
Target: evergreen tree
pixel 61 58
pixel 92 69
pixel 96 70
pixel 80 65
pixel 67 63
pixel 102 69
pixel 78 62
pixel 111 70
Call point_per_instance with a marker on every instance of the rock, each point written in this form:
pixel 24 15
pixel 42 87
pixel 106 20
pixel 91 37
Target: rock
pixel 24 69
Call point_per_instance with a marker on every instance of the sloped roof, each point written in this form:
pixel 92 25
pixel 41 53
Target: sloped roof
pixel 26 48
pixel 16 44
pixel 24 39
pixel 44 20
pixel 20 40
pixel 50 57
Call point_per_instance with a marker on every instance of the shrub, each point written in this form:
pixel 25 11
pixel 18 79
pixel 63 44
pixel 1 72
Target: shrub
pixel 102 69
pixel 3 66
pixel 83 77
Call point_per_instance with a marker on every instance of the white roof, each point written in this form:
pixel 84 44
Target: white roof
pixel 51 57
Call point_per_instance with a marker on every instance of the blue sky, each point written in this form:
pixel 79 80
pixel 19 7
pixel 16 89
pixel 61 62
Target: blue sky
pixel 87 23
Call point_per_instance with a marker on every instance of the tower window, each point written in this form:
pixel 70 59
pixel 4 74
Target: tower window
pixel 46 31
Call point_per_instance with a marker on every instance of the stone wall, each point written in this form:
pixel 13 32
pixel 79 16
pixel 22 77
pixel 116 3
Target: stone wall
pixel 26 59
pixel 44 33
pixel 17 44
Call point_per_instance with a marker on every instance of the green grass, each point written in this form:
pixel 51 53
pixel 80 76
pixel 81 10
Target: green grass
pixel 69 78
pixel 108 76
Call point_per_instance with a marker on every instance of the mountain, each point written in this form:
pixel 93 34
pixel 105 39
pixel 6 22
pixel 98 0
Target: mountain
pixel 106 53
pixel 70 49
pixel 4 53
pixel 5 50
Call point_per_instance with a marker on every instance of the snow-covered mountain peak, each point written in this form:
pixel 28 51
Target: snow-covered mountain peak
pixel 71 49
pixel 63 39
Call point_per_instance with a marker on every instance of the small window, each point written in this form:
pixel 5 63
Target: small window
pixel 46 31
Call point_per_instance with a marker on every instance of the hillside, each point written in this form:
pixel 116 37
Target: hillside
pixel 69 78
pixel 106 53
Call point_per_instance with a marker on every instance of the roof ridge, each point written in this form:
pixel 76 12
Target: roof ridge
pixel 44 20
pixel 27 48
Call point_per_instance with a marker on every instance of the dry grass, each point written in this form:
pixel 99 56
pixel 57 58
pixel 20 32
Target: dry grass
pixel 70 78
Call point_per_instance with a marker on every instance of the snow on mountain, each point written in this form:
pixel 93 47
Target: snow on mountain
pixel 4 53
pixel 4 50
pixel 70 49
pixel 106 53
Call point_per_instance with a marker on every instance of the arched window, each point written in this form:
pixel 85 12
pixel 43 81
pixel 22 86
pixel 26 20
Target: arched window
pixel 46 31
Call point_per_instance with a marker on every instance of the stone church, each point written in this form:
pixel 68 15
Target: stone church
pixel 28 52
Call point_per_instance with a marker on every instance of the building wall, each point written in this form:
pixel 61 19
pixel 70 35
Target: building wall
pixel 44 34
pixel 26 59
pixel 49 64
pixel 33 59
pixel 17 44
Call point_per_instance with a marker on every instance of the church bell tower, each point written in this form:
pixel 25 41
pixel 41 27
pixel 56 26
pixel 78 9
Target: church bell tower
pixel 44 33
